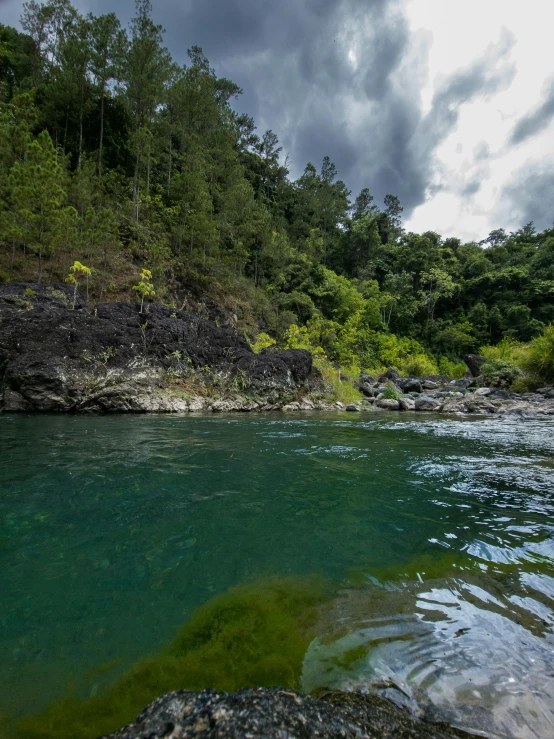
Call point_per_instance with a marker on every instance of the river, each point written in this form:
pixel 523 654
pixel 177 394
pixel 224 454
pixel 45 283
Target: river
pixel 435 534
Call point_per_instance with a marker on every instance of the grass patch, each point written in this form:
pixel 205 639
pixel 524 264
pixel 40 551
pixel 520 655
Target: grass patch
pixel 338 387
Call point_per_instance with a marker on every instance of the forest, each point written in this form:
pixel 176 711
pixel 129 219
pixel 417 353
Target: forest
pixel 135 179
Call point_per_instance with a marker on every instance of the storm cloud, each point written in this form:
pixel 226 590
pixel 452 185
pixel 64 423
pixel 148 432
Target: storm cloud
pixel 537 120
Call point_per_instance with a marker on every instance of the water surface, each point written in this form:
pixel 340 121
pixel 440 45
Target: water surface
pixel 436 533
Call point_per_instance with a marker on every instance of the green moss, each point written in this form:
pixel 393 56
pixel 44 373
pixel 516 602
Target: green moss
pixel 250 636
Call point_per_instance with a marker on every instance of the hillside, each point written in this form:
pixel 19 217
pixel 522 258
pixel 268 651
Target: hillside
pixel 116 158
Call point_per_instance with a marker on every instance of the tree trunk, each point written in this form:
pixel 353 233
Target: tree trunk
pixel 135 183
pixel 101 143
pixel 148 173
pixel 40 247
pixel 169 168
pixel 80 133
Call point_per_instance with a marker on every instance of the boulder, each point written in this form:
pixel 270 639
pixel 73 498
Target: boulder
pixel 429 385
pixel 352 407
pixel 483 391
pixel 409 384
pixel 390 374
pixel 366 389
pixel 425 403
pixel 406 404
pixel 387 404
pixel 277 713
pixel 474 362
pixel 464 383
pixel 499 394
pixel 367 379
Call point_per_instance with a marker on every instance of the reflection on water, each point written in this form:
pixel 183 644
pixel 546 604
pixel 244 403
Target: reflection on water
pixel 477 651
pixel 438 534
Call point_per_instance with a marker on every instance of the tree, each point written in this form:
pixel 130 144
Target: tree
pixel 393 210
pixel 75 271
pixel 362 204
pixel 107 46
pixel 438 284
pixel 146 71
pixel 145 288
pixel 37 194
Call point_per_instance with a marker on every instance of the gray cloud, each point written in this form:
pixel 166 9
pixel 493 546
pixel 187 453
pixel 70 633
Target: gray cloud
pixel 529 196
pixel 537 120
pixel 488 74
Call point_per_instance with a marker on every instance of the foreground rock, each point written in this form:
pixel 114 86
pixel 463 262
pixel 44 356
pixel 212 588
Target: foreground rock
pixel 115 359
pixel 279 713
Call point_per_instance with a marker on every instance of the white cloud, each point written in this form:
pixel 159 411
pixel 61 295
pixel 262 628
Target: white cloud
pixel 461 32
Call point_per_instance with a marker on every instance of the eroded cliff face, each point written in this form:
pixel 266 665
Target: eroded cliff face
pixel 112 358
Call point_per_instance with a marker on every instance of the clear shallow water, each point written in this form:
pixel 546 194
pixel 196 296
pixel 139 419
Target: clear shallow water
pixel 438 533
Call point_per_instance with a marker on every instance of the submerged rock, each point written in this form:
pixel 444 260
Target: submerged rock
pixel 278 713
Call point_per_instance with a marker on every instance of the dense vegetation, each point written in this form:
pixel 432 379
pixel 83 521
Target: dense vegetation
pixel 113 155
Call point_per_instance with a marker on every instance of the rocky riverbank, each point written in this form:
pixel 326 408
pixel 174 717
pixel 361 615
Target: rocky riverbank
pixel 275 712
pixel 60 357
pixel 439 394
pixel 57 355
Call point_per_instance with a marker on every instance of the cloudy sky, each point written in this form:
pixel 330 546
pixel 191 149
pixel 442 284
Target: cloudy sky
pixel 447 104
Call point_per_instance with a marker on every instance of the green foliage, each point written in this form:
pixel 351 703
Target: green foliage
pixel 539 357
pixel 390 392
pixel 506 349
pixel 418 365
pixel 452 369
pixel 262 341
pixel 144 288
pixel 500 372
pixel 248 637
pixel 113 155
pixel 337 382
pixel 75 271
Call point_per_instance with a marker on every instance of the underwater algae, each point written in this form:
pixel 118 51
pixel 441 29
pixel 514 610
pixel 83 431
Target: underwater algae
pixel 250 636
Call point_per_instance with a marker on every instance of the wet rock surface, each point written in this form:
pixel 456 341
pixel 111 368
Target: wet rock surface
pixel 112 358
pixel 279 713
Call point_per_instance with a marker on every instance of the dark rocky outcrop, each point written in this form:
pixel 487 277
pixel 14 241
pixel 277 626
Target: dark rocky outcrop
pixel 277 713
pixel 114 358
pixel 474 362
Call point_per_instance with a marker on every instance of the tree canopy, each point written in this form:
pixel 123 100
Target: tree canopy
pixel 113 155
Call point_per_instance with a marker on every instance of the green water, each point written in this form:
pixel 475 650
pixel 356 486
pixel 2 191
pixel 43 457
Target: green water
pixel 435 537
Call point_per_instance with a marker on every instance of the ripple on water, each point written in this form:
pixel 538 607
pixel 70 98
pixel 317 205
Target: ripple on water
pixel 474 651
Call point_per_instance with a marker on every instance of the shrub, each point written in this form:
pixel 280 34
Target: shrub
pixel 337 389
pixel 538 358
pixel 500 372
pixel 418 365
pixel 262 341
pixel 451 369
pixel 506 349
pixel 390 392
